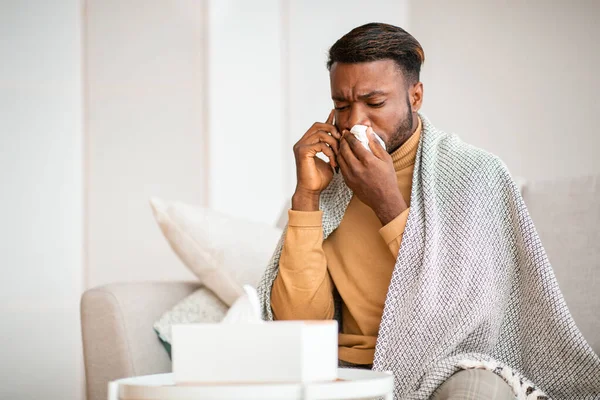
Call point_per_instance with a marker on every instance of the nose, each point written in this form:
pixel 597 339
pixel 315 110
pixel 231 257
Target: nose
pixel 357 117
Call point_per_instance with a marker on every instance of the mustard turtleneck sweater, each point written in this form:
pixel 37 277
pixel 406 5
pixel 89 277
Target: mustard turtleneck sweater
pixel 357 258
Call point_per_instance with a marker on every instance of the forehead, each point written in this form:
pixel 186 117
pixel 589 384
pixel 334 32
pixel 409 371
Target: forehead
pixel 366 76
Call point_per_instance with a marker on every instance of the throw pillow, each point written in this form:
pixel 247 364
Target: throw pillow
pixel 224 252
pixel 202 306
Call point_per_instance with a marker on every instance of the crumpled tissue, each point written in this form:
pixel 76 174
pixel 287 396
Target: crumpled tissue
pixel 360 132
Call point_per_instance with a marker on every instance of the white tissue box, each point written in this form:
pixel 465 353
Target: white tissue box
pixel 278 351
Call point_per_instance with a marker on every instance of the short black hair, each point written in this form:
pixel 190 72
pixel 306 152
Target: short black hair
pixel 378 41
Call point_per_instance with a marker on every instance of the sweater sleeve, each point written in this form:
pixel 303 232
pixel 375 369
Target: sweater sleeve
pixel 303 289
pixel 393 231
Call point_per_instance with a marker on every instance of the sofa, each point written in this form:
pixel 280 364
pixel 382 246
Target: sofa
pixel 117 319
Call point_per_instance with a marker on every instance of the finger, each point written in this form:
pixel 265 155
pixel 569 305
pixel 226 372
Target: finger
pixel 333 129
pixel 374 144
pixel 343 164
pixel 328 128
pixel 324 137
pixel 320 126
pixel 330 117
pixel 346 152
pixel 357 147
pixel 321 147
pixel 329 153
pixel 320 161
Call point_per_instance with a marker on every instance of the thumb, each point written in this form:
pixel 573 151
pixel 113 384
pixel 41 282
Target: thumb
pixel 374 144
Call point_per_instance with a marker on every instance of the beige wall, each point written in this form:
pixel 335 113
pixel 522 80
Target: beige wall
pixel 517 78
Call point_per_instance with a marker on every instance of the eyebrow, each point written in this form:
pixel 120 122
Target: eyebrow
pixel 362 96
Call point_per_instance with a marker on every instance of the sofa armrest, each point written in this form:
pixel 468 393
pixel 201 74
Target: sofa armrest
pixel 118 338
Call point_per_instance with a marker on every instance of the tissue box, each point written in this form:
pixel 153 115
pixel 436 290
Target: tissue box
pixel 278 351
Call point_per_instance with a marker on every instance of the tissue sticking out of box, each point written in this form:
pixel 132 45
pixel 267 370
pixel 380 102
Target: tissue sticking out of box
pixel 246 308
pixel 360 132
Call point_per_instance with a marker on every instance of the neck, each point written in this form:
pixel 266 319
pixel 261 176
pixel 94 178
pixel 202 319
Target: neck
pixel 408 134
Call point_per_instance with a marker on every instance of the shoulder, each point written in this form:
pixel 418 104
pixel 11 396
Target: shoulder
pixel 466 158
pixel 452 159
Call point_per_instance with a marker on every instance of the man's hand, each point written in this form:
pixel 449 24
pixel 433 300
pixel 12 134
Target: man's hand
pixel 371 176
pixel 313 174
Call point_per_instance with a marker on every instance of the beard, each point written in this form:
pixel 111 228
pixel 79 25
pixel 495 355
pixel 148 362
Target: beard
pixel 403 130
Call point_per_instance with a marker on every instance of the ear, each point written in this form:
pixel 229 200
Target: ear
pixel 416 96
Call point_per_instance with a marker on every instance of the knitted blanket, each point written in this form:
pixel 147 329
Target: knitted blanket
pixel 472 286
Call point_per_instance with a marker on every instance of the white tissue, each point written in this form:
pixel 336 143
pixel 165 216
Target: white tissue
pixel 360 132
pixel 246 309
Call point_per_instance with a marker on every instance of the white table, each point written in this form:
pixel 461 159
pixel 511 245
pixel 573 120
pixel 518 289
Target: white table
pixel 353 384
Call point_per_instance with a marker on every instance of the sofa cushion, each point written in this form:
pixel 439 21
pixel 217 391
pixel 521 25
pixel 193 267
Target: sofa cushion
pixel 224 252
pixel 118 340
pixel 566 213
pixel 202 306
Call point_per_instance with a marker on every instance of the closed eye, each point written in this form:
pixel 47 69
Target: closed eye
pixel 376 105
pixel 341 108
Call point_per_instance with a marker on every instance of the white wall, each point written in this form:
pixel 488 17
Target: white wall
pixel 145 131
pixel 41 236
pixel 517 78
pixel 245 103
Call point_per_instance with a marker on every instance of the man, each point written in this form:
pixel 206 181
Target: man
pixel 424 250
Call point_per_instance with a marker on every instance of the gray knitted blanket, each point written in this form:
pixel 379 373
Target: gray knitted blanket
pixel 472 286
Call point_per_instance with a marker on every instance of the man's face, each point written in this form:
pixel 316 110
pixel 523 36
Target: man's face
pixel 374 94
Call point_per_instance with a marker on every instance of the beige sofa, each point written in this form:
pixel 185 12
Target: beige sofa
pixel 117 319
